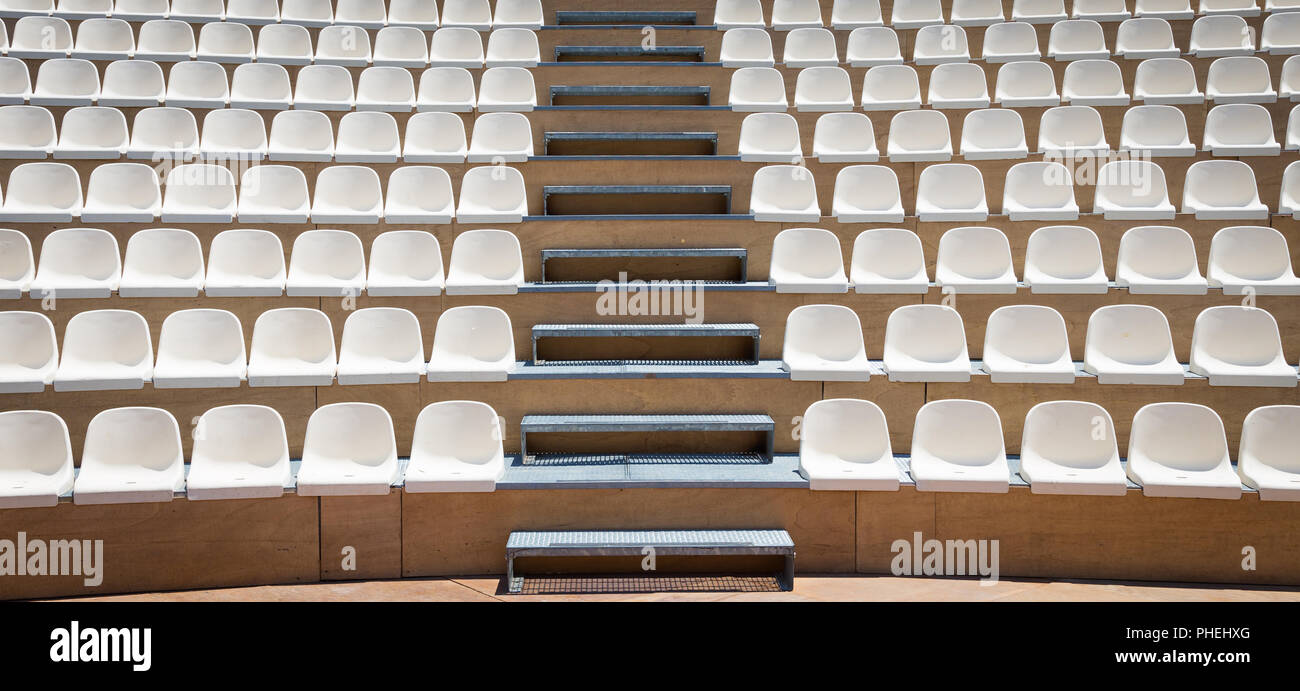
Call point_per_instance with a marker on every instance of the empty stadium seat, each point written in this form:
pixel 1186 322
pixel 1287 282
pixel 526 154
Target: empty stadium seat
pixel 498 137
pixel 162 262
pixel 41 38
pixel 913 14
pixel 323 87
pixel 845 446
pixel 1038 11
pixel 436 137
pixel 957 447
pixel 368 137
pixel 842 137
pixel 242 452
pixel 165 40
pixel 780 193
pixel 492 194
pixel 419 194
pixel 164 133
pixel 867 194
pixel 264 86
pixel 1026 84
pixel 245 262
pixel 1101 10
pixel 1280 34
pixel 772 137
pixel 951 192
pixel 1254 258
pixel 224 42
pixel 874 45
pixel 824 343
pixel 919 135
pixel 1132 190
pixel 1265 457
pixel 42 193
pixel 405 262
pixel 788 15
pixel 1039 191
pixel 757 89
pixel 472 343
pixel 131 455
pixel 1239 346
pixel 343 46
pixel 1010 42
pixel 1064 259
pixel 1240 129
pixel 926 343
pixel 140 10
pixel 197 11
pixel 476 14
pixel 1131 344
pixel 347 194
pixel 81 9
pixel 1071 131
pixel 105 350
pixel 255 12
pixel 1144 38
pixel 888 260
pixel 235 133
pixel 891 87
pixel 301 135
pixel 1240 79
pixel 1166 81
pixel 975 260
pixel 822 89
pixel 506 89
pixel 1158 259
pixel 1027 344
pixel 15 81
pixel 1091 82
pixel 977 12
pixel 1165 9
pixel 806 47
pixel 1222 190
pixel 1245 8
pixel 853 14
pixel 485 262
pixel 958 85
pixel 104 39
pixel 1077 39
pixel 516 13
pixel 940 43
pixel 78 263
pixel 457 447
pixel 66 82
pixel 349 449
pixel 403 46
pixel 993 133
pixel 731 14
pixel 28 132
pixel 132 83
pixel 1069 447
pixel 381 345
pixel 446 89
pixel 369 14
pixel 199 193
pixel 29 352
pixel 292 346
pixel 1221 35
pixel 17 266
pixel 122 193
pixel 512 47
pixel 273 194
pixel 197 85
pixel 1181 450
pixel 1157 130
pixel 36 464
pixel 807 260
pixel 20 8
pixel 200 349
pixel 385 88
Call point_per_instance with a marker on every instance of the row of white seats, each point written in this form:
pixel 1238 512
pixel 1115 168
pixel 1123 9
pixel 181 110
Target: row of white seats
pixel 287 44
pixel 161 133
pixel 1239 79
pixel 106 350
pixel 1058 259
pixel 168 262
pixel 1067 447
pixel 265 86
pixel 1128 189
pixel 1138 39
pixel 134 455
pixel 423 14
pixel 1233 129
pixel 914 14
pixel 205 193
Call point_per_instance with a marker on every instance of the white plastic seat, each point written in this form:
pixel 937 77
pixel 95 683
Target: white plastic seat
pixel 1254 258
pixel 132 83
pixel 1217 36
pixel 15 81
pixel 105 350
pixel 1157 130
pixel 78 263
pixel 1132 190
pixel 1026 84
pixel 1100 10
pixel 807 260
pixel 388 89
pixel 1077 39
pixel 381 345
pixel 419 194
pixel 437 137
pixel 225 42
pixel 1158 260
pixel 242 453
pixel 1039 191
pixel 975 260
pixel 1071 131
pixel 401 46
pixel 1069 447
pixel 414 13
pixel 914 14
pixel 1181 450
pixel 29 132
pixel 1144 38
pixel 42 193
pixel 1239 346
pixel 36 464
pixel 1038 11
pixel 757 89
pixel 104 39
pixel 301 135
pixel 347 194
pixel 867 194
pixel 29 352
pixel 349 449
pixel 343 46
pixel 1217 190
pixel 122 193
pixel 822 89
pixel 369 14
pixel 1240 129
pixel 200 349
pixel 451 47
pixel 197 11
pixel 513 47
pixel 845 446
pixel 940 43
pixel 1244 8
pixel 1064 259
pixel 197 85
pixel 164 133
pixel 506 89
pixel 82 9
pixel 926 343
pixel 977 12
pixel 1240 79
pixel 66 82
pixel 1266 459
pixel 789 15
pixel 140 10
pixel 919 135
pixel 245 262
pixel 1093 83
pixel 235 133
pixel 888 260
pixel 891 87
pixel 951 192
pixel 1165 9
pixel 199 193
pixel 406 263
pixel 837 138
pixel 807 47
pixel 1010 42
pixel 485 262
pixel 323 87
pixel 824 343
pixel 1280 34
pixel 292 346
pixel 499 137
pixel 253 12
pixel 162 262
pixel 165 40
pixel 958 85
pixel 41 38
pixel 131 456
pixel 994 133
pixel 457 446
pixel 264 86
pixel 492 194
pixel 448 89
pixel 475 14
pixel 783 194
pixel 368 137
pixel 472 343
pixel 1027 344
pixel 873 45
pixel 17 265
pixel 517 13
pixel 731 14
pixel 1131 344
pixel 273 194
pixel 22 8
pixel 771 138
pixel 957 447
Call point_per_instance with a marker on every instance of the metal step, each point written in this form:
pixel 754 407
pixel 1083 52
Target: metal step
pixel 583 423
pixel 741 330
pixel 628 94
pixel 629 54
pixel 619 143
pixel 624 17
pixel 738 253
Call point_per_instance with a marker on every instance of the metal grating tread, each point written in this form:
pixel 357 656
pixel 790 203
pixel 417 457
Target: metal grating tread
pixel 600 539
pixel 587 459
pixel 643 252
pixel 646 423
pixel 616 330
pixel 677 583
